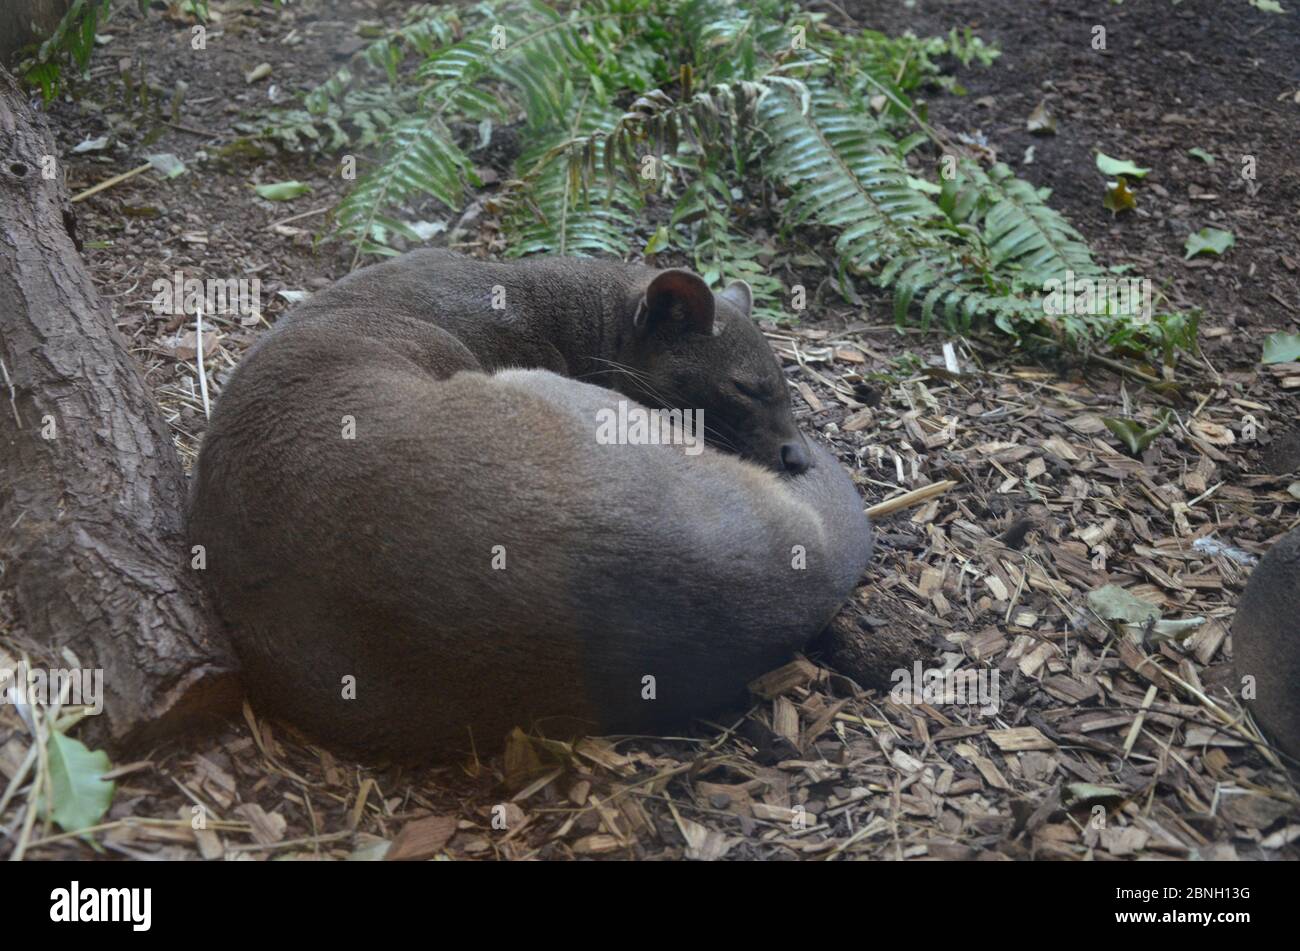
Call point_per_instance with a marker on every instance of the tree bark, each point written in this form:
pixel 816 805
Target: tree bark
pixel 18 17
pixel 91 489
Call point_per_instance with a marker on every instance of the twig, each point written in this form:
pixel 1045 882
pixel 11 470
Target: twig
pixel 935 135
pixel 138 822
pixel 1140 719
pixel 198 359
pixel 40 782
pixel 909 499
pixel 841 11
pixel 110 182
pixel 193 130
pixel 305 214
pixel 18 777
pixel 1126 370
pixel 12 403
pixel 1121 368
pixel 289 843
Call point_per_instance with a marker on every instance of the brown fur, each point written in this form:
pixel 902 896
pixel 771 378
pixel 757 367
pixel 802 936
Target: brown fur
pixel 372 557
pixel 1266 641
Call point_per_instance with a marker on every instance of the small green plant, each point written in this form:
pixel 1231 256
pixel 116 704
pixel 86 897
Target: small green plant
pixel 1135 436
pixel 70 44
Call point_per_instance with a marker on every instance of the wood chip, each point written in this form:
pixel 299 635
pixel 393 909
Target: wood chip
pixel 1019 739
pixel 422 839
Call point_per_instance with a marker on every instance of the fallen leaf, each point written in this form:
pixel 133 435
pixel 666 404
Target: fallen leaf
pixel 1208 241
pixel 1084 794
pixel 1119 198
pixel 1281 348
pixel 1040 121
pixel 1114 166
pixel 1132 434
pixel 166 163
pixel 80 796
pixel 282 191
pixel 1113 603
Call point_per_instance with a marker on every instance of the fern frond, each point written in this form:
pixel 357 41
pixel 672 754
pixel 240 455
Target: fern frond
pixel 555 211
pixel 731 41
pixel 843 173
pixel 846 172
pixel 1024 233
pixel 423 160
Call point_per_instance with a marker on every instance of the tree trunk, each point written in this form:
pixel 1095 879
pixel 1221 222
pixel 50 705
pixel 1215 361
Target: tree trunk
pixel 91 489
pixel 17 19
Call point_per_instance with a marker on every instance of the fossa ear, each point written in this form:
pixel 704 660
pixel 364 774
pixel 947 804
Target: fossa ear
pixel 740 295
pixel 677 300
